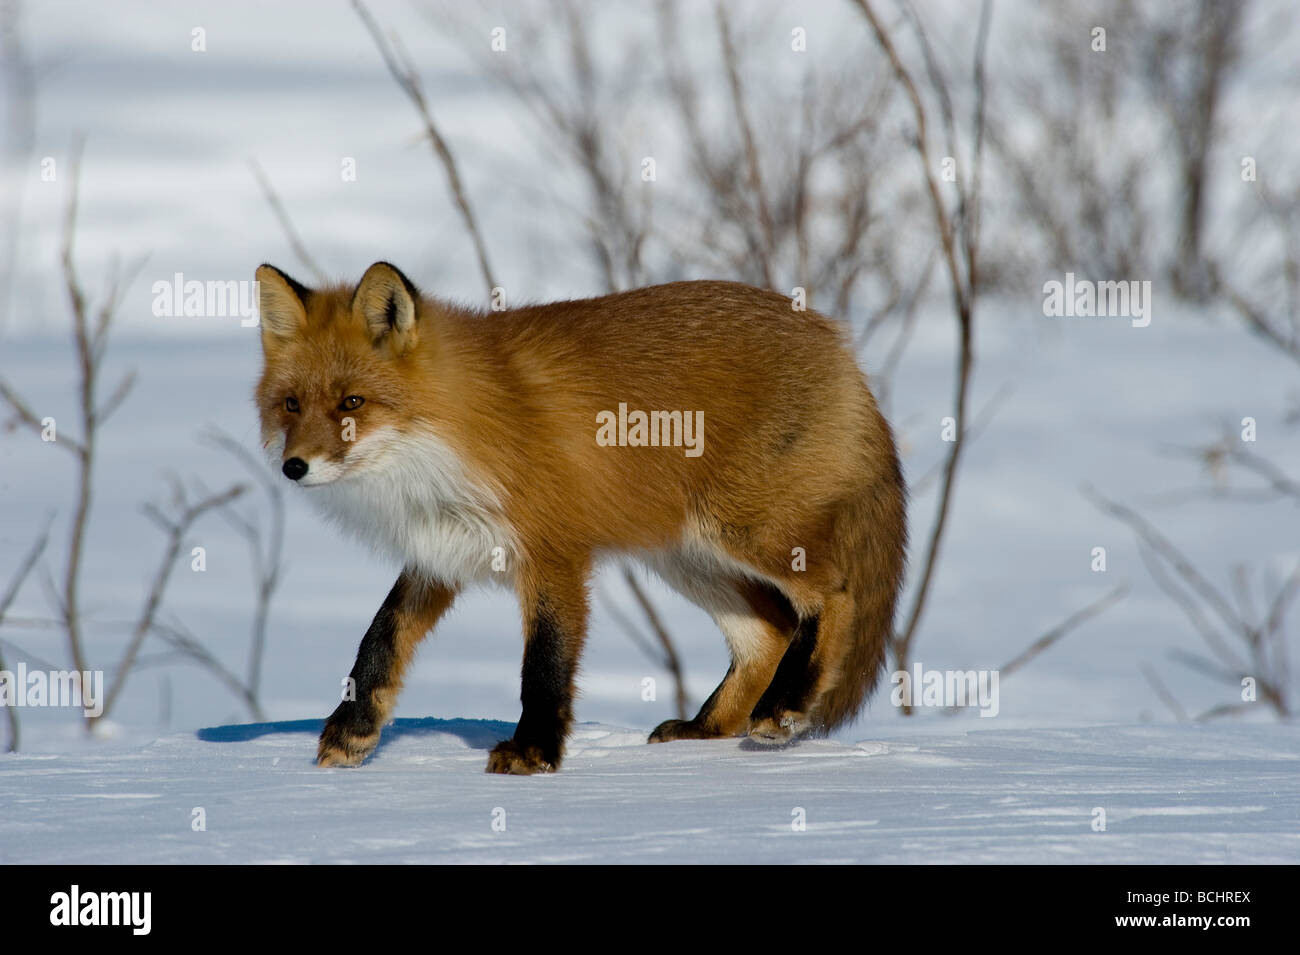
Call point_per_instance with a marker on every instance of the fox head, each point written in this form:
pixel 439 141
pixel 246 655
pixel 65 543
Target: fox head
pixel 336 374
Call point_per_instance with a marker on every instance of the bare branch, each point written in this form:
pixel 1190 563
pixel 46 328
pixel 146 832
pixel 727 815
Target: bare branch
pixel 979 423
pixel 1269 674
pixel 176 531
pixel 27 654
pixel 15 584
pixel 1075 620
pixel 941 219
pixel 85 457
pixel 192 649
pixel 117 397
pixel 19 88
pixel 1204 589
pixel 661 632
pixel 25 567
pixel 28 417
pixel 409 82
pixel 1167 698
pixel 1278 481
pixel 286 224
pixel 970 217
pixel 643 643
pixel 267 561
pixel 1287 342
pixel 763 248
pixel 963 289
pixel 1281 603
pixel 1206 667
pixel 1186 602
pixel 1079 617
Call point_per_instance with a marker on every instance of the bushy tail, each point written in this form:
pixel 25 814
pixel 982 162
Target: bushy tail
pixel 873 551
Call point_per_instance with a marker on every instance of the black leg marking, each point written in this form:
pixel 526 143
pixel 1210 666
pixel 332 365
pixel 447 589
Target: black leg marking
pixel 796 676
pixel 546 691
pixel 357 720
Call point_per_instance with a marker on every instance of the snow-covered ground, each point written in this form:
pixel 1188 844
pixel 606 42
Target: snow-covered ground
pixel 1169 794
pixel 1087 401
pixel 1021 786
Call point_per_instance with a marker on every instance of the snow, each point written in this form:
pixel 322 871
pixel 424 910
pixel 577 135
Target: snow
pixel 1174 794
pixel 1090 402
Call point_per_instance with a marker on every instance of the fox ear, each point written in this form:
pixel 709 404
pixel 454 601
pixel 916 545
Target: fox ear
pixel 282 305
pixel 385 301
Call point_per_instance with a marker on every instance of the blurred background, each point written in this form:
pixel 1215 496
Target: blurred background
pixel 1104 507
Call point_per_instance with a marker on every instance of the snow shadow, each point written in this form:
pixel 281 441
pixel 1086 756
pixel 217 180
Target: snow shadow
pixel 477 734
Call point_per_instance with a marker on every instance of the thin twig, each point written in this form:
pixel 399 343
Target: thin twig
pixel 192 649
pixel 1270 675
pixel 1254 316
pixel 1076 619
pixel 1167 698
pixel 268 563
pixel 176 531
pixel 979 423
pixel 1098 606
pixel 964 289
pixel 1207 592
pixel 1279 482
pixel 286 224
pixel 661 632
pixel 86 451
pixel 409 82
pixel 15 584
pixel 765 248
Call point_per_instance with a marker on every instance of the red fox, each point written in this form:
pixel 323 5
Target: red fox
pixel 708 429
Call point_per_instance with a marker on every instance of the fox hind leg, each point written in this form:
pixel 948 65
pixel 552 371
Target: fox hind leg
pixel 790 706
pixel 757 622
pixel 781 713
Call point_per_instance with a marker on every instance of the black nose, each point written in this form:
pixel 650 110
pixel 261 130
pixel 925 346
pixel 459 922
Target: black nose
pixel 294 468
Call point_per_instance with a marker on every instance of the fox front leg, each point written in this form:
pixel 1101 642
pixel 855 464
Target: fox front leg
pixel 409 612
pixel 555 621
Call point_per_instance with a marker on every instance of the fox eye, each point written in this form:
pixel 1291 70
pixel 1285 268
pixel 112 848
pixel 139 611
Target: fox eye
pixel 352 403
pixel 291 404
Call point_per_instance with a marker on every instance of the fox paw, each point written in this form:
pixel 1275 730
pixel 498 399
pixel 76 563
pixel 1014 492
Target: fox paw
pixel 779 728
pixel 510 758
pixel 669 730
pixel 340 748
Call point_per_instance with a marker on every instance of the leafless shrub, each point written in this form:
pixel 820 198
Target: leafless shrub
pixel 91 328
pixel 811 189
pixel 18 102
pixel 1268 302
pixel 1055 634
pixel 286 224
pixel 184 514
pixel 90 341
pixel 265 539
pixel 958 233
pixel 25 567
pixel 1246 643
pixel 266 556
pixel 1076 160
pixel 613 225
pixel 408 80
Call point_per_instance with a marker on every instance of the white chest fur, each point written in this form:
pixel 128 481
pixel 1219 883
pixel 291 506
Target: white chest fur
pixel 412 498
